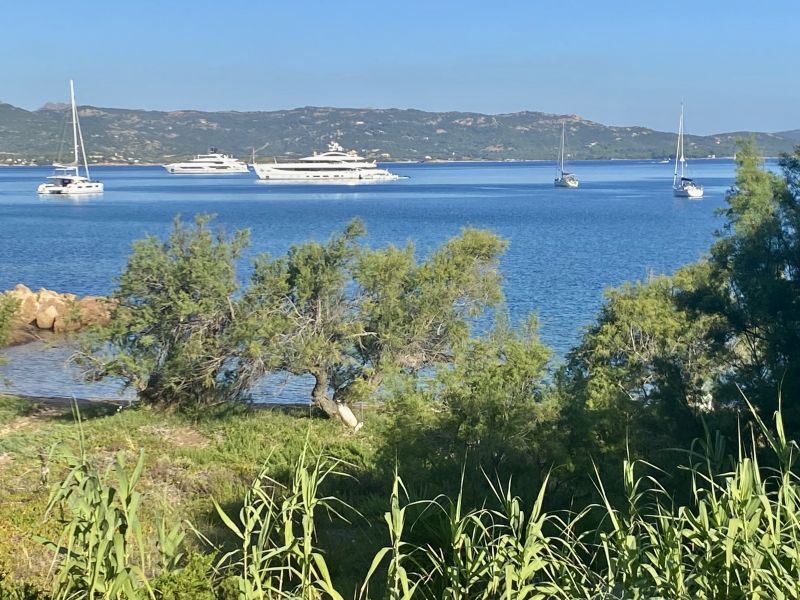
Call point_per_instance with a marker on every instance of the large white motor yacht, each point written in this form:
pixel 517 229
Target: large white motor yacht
pixel 330 166
pixel 212 163
pixel 67 179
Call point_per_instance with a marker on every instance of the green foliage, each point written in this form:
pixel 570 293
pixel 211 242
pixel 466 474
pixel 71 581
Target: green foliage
pixel 667 352
pixel 495 398
pixel 343 314
pixel 755 268
pixel 10 590
pixel 416 314
pixel 400 585
pixel 277 555
pixel 8 307
pixel 489 410
pixel 191 582
pixel 305 292
pixel 101 531
pixel 101 550
pixel 172 332
pixel 645 370
pixel 353 315
pixel 736 534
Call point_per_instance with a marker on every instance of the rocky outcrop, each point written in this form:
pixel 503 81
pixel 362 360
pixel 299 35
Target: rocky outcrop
pixel 51 311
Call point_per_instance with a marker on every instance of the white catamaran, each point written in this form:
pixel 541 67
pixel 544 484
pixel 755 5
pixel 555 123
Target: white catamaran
pixel 335 165
pixel 683 186
pixel 67 179
pixel 564 179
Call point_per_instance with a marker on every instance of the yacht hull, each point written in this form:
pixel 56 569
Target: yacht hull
pixel 271 173
pixel 73 189
pixel 178 170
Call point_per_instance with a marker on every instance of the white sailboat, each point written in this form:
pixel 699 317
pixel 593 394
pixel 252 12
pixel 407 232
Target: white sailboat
pixel 564 179
pixel 683 186
pixel 67 179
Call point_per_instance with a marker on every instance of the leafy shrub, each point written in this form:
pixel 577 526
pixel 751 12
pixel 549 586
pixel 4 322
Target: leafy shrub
pixel 192 581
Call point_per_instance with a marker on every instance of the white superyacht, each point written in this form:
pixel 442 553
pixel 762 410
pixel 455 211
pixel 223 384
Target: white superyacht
pixel 212 163
pixel 333 165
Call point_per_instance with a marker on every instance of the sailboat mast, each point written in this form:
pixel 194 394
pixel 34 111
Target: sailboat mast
pixel 678 152
pixel 683 158
pixel 563 128
pixel 74 121
pixel 83 151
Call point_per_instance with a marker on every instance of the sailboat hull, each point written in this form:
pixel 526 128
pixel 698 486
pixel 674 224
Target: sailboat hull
pixel 687 192
pixel 566 183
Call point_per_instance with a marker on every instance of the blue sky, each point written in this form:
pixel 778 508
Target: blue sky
pixel 735 63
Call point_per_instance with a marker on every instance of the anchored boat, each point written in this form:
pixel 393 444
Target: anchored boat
pixel 683 186
pixel 212 163
pixel 333 165
pixel 67 179
pixel 564 179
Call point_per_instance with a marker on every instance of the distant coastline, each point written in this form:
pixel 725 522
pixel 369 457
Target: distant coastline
pixel 425 162
pixel 125 136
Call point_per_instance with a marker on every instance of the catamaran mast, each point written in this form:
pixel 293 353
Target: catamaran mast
pixel 77 133
pixel 74 122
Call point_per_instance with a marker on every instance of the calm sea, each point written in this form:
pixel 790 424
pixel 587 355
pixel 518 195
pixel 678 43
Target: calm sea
pixel 566 246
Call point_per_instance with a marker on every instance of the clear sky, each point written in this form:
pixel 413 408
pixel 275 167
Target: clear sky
pixel 734 62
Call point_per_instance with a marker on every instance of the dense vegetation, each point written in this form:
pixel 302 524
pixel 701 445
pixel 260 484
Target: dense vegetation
pixel 7 310
pixel 658 461
pixel 128 135
pixel 182 332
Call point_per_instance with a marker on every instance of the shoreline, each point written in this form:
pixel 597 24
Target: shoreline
pixel 442 161
pixel 119 404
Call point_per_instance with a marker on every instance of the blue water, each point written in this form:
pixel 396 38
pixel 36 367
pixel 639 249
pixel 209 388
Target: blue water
pixel 566 246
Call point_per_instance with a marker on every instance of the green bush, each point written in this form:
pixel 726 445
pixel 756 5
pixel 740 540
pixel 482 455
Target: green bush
pixel 10 590
pixel 192 581
pixel 8 306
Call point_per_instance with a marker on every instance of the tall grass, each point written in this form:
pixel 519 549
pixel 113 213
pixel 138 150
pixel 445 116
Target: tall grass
pixel 736 536
pixel 278 556
pixel 101 552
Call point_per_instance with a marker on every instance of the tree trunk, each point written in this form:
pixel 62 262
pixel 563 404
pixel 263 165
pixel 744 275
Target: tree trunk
pixel 330 407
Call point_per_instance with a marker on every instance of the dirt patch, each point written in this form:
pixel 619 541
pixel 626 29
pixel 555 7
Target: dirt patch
pixel 29 421
pixel 178 437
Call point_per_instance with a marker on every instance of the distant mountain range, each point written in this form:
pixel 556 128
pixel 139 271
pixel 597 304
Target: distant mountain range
pixel 116 135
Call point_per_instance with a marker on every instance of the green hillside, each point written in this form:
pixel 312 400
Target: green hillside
pixel 126 135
